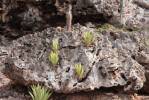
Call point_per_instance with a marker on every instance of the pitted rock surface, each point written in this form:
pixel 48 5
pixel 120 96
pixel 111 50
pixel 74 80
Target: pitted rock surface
pixel 109 62
pixel 33 13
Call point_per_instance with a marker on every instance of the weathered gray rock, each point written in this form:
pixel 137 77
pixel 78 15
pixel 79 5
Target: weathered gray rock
pixel 108 62
pixel 143 58
pixel 131 14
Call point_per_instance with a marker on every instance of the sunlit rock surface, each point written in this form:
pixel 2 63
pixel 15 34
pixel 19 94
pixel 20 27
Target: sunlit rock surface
pixel 109 62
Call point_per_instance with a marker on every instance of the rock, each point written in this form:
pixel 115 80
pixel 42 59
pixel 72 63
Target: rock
pixel 31 18
pixel 107 63
pixel 4 82
pixel 100 96
pixel 13 93
pixel 30 15
pixel 143 58
pixel 142 3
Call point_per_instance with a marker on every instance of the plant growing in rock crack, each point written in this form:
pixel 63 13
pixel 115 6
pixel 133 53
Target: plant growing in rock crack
pixel 79 69
pixel 55 45
pixel 88 38
pixel 39 93
pixel 54 58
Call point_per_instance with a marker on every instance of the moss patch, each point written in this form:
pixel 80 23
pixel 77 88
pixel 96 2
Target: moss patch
pixel 108 27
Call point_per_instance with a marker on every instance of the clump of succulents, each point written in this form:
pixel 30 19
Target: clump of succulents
pixel 39 93
pixel 79 69
pixel 88 38
pixel 54 58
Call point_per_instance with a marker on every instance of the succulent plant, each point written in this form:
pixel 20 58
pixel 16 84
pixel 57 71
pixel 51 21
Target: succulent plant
pixel 54 58
pixel 88 38
pixel 55 45
pixel 39 93
pixel 79 69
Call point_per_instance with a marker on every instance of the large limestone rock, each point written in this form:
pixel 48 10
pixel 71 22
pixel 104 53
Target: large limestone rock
pixel 109 62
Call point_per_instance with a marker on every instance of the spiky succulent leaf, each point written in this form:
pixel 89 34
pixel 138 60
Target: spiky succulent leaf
pixel 39 93
pixel 88 38
pixel 55 45
pixel 79 70
pixel 54 58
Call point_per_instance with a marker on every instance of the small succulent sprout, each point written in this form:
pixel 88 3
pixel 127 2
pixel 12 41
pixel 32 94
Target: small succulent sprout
pixel 39 93
pixel 88 38
pixel 79 69
pixel 55 45
pixel 54 58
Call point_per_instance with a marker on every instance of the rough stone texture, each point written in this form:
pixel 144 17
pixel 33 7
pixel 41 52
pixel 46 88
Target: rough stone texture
pixel 101 96
pixel 40 11
pixel 117 59
pixel 4 81
pixel 109 62
pixel 13 93
pixel 132 15
pixel 143 58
